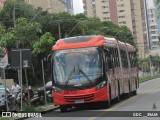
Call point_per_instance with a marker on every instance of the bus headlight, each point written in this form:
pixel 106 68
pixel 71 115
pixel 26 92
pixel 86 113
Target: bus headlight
pixel 101 85
pixel 56 89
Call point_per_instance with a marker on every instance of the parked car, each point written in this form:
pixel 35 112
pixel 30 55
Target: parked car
pixel 2 98
pixel 12 103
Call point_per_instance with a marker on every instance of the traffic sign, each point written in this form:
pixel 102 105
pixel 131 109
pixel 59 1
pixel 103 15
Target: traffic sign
pixel 26 58
pixel 3 57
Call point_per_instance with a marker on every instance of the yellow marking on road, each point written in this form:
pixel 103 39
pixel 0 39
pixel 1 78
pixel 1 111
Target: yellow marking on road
pixel 123 102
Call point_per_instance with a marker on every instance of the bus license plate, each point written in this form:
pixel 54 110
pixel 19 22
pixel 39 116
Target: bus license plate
pixel 79 101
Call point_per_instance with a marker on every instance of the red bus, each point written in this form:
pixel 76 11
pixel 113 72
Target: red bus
pixel 89 69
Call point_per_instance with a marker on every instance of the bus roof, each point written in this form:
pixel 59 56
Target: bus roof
pixel 89 41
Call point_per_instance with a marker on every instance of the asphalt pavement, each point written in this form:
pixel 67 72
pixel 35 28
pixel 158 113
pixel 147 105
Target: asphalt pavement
pixel 143 106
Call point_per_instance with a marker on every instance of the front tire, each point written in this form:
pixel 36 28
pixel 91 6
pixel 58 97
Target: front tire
pixel 134 92
pixel 63 108
pixel 118 97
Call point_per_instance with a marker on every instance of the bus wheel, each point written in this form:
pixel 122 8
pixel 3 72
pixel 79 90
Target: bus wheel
pixel 129 93
pixel 134 92
pixel 63 108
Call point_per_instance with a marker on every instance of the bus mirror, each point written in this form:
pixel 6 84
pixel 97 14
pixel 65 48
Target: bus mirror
pixel 49 63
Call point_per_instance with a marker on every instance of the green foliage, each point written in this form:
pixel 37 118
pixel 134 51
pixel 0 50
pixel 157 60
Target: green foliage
pixel 44 45
pixel 6 36
pixel 26 108
pixel 21 10
pixel 144 65
pixel 26 34
pixel 146 78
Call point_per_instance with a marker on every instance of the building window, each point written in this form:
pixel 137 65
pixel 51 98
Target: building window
pixel 154 37
pixel 153 27
pixel 121 10
pixel 121 5
pixel 105 12
pixel 94 3
pixel 103 1
pixel 104 7
pixel 123 22
pixel 106 18
pixel 133 21
pixel 153 32
pixel 121 16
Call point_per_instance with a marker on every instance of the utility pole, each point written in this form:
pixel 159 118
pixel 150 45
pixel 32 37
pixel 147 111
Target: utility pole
pixel 14 16
pixel 59 30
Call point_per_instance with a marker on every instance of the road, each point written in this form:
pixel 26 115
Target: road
pixel 147 99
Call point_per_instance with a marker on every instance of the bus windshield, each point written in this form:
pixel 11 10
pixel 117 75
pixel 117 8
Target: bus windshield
pixel 77 66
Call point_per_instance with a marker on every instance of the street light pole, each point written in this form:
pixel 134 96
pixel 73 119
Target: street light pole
pixel 59 30
pixel 59 27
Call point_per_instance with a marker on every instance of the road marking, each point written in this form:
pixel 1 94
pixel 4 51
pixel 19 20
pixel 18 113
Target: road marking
pixel 123 102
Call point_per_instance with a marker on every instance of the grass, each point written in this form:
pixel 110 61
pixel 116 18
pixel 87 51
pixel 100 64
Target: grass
pixel 6 118
pixel 40 108
pixel 146 78
pixel 44 107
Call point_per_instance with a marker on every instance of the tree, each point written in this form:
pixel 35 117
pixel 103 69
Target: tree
pixel 7 37
pixel 26 34
pixel 44 45
pixel 21 10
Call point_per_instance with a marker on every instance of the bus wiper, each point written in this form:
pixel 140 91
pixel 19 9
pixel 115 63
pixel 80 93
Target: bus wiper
pixel 66 83
pixel 86 76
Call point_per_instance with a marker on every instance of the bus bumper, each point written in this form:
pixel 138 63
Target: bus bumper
pixel 82 96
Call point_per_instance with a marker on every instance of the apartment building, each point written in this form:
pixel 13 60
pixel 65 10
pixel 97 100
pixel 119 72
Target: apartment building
pixel 53 6
pixel 1 4
pixel 152 28
pixel 69 6
pixel 122 12
pixel 157 14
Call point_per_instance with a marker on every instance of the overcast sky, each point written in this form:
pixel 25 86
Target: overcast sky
pixel 78 6
pixel 150 3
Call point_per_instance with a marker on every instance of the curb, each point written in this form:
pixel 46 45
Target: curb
pixel 50 110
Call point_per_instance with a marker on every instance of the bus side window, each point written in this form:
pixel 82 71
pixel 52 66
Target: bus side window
pixel 108 55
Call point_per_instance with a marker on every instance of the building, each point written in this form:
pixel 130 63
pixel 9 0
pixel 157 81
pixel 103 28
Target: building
pixel 69 4
pixel 53 6
pixel 122 12
pixel 153 28
pixel 157 14
pixel 1 4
